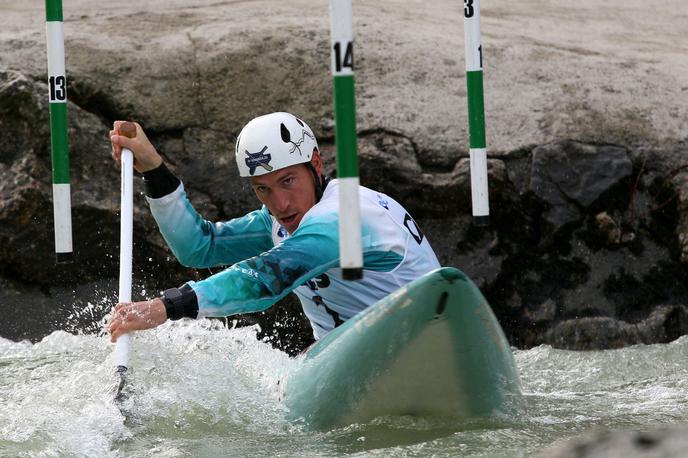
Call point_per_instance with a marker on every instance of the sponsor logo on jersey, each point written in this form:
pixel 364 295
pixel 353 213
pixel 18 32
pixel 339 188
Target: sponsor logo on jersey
pixel 382 202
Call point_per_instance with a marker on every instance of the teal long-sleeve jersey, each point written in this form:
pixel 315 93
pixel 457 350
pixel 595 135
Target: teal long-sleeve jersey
pixel 267 262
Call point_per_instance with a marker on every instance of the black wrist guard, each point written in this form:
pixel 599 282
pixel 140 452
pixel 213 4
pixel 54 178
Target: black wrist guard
pixel 160 182
pixel 180 302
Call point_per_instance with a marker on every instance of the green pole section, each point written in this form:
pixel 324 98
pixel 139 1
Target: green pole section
pixel 476 109
pixel 53 10
pixel 59 143
pixel 57 96
pixel 345 128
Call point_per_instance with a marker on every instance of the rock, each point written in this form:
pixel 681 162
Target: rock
pixel 683 243
pixel 682 226
pixel 664 324
pixel 609 227
pixel 569 177
pixel 665 442
pixel 221 64
pixel 545 312
pixel 26 216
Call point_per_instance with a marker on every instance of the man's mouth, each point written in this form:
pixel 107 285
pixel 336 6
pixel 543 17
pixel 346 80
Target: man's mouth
pixel 287 220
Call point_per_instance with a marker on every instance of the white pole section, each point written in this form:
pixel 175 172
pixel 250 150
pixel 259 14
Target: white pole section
pixel 126 235
pixel 476 113
pixel 342 42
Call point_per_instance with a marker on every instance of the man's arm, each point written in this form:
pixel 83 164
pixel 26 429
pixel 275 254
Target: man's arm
pixel 197 242
pixel 194 241
pixel 258 282
pixel 248 286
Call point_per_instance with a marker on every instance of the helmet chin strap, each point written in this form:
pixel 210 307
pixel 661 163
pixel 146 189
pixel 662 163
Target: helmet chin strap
pixel 320 182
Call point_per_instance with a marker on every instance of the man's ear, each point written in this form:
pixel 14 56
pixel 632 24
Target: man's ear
pixel 317 163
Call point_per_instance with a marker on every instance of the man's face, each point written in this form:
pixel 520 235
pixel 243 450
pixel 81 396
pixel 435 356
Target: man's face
pixel 288 193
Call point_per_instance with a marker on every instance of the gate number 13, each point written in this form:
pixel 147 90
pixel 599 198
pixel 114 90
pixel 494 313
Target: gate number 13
pixel 58 91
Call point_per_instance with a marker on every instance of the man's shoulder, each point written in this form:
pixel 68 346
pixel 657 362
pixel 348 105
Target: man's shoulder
pixel 373 204
pixel 331 194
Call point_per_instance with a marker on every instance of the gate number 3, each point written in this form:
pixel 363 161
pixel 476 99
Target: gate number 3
pixel 468 10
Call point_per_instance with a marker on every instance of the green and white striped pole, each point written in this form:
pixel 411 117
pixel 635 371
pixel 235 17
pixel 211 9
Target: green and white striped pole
pixel 476 113
pixel 341 39
pixel 57 93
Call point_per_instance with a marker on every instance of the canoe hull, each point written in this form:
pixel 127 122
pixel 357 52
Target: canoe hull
pixel 433 348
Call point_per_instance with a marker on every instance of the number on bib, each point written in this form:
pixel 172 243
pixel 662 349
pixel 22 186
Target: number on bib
pixel 413 228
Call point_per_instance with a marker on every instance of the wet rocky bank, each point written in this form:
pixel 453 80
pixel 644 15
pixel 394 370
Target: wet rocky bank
pixel 583 250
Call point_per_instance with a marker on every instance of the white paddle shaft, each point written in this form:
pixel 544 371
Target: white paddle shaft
pixel 126 235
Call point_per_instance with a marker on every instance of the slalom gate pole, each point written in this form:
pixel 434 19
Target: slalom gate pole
pixel 476 113
pixel 126 235
pixel 57 94
pixel 341 39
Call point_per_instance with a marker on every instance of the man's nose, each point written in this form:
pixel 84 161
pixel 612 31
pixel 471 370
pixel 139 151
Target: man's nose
pixel 281 201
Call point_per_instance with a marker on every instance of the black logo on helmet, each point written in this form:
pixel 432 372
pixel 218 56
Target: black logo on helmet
pixel 286 137
pixel 258 159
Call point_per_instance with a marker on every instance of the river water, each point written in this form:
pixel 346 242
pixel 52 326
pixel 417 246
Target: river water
pixel 200 389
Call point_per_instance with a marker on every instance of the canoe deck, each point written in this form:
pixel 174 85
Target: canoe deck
pixel 432 348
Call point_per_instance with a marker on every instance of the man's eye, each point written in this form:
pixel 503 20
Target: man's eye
pixel 288 181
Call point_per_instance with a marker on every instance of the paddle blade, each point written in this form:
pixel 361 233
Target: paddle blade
pixel 121 394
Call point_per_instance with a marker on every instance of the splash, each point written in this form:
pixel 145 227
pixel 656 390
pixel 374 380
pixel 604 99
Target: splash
pixel 199 388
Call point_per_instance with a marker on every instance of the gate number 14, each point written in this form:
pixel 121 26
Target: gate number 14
pixel 344 61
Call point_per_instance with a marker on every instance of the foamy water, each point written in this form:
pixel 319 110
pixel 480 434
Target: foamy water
pixel 198 388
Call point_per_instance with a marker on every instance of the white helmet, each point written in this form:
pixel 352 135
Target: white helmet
pixel 272 142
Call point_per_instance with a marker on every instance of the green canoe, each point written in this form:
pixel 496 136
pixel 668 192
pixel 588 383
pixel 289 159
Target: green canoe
pixel 432 348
